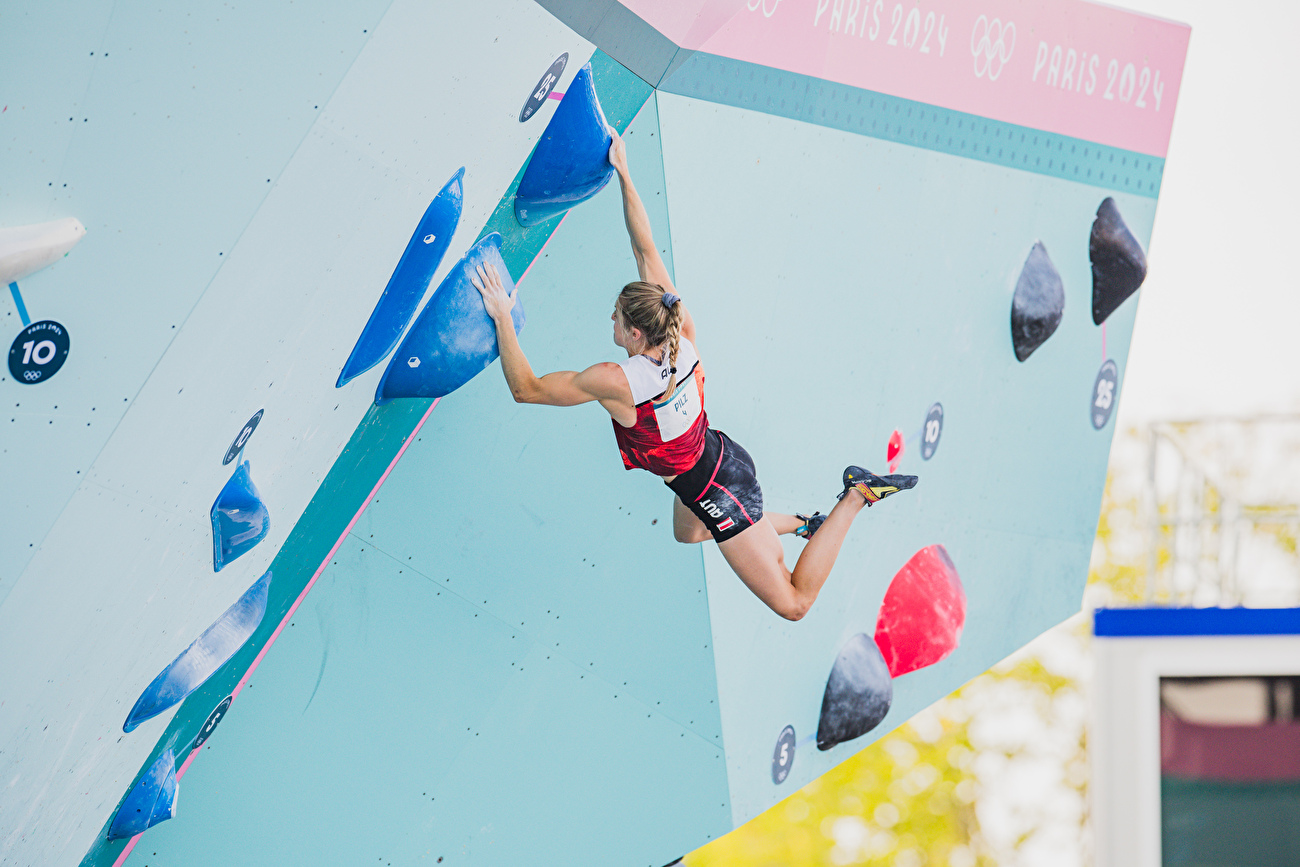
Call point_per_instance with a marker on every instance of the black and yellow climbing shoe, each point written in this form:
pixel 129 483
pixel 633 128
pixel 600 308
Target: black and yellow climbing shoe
pixel 875 488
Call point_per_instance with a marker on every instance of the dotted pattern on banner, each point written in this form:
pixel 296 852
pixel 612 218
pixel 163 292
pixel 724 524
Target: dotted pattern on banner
pixel 878 115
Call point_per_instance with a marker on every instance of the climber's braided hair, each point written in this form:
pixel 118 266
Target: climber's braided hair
pixel 642 306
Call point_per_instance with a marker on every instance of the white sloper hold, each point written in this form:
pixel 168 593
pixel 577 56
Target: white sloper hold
pixel 24 250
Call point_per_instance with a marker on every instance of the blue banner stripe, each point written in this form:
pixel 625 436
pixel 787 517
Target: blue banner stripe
pixel 1121 622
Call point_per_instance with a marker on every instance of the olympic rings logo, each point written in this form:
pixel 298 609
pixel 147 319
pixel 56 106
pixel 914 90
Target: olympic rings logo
pixel 753 6
pixel 31 375
pixel 989 46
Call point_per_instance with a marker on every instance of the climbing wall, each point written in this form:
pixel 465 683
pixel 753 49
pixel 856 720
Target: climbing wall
pixel 858 341
pixel 323 569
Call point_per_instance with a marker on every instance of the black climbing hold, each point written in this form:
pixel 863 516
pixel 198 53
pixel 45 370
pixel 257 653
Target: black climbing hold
pixel 858 693
pixel 1038 304
pixel 1118 264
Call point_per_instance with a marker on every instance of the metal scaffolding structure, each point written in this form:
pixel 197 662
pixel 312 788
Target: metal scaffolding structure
pixel 1222 511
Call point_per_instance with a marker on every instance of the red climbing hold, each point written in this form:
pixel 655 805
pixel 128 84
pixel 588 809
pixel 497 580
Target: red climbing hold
pixel 894 451
pixel 923 612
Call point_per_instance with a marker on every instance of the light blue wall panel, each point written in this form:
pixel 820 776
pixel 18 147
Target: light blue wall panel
pixel 155 126
pixel 841 285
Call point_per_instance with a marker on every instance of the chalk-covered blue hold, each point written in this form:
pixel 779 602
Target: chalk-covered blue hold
pixel 239 519
pixel 151 800
pixel 410 278
pixel 571 161
pixel 454 338
pixel 204 656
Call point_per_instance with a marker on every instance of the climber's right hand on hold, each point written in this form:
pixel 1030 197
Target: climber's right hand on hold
pixel 617 152
pixel 495 299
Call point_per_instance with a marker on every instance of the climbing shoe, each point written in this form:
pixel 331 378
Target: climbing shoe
pixel 872 487
pixel 810 524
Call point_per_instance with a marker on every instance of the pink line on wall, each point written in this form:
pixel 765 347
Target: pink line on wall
pixel 1071 67
pixel 555 95
pixel 301 596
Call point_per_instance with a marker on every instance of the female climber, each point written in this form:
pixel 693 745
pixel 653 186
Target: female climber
pixel 656 401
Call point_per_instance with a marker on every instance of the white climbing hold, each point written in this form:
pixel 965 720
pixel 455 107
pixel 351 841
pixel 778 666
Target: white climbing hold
pixel 25 250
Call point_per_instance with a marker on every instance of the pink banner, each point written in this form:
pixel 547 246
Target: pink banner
pixel 1066 66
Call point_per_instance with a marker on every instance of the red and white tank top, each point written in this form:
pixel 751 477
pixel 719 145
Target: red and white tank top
pixel 668 436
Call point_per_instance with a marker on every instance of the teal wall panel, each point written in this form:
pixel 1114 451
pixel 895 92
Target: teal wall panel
pixel 839 106
pixel 528 511
pixel 465 681
pixel 841 285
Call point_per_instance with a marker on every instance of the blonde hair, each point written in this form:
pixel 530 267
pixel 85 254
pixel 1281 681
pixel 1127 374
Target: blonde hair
pixel 642 307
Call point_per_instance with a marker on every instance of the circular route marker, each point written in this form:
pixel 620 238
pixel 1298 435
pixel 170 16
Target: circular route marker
pixel 247 431
pixel 544 87
pixel 215 717
pixel 783 755
pixel 1104 394
pixel 931 432
pixel 38 352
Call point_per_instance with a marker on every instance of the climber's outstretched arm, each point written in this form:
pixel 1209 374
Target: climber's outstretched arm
pixel 649 264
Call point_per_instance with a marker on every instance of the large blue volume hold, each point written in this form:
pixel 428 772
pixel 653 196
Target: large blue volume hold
pixel 239 519
pixel 410 278
pixel 571 162
pixel 453 339
pixel 204 656
pixel 150 801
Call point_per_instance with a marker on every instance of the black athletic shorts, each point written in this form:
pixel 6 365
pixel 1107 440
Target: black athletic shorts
pixel 722 488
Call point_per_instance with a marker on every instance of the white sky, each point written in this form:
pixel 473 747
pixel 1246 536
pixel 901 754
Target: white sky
pixel 1220 310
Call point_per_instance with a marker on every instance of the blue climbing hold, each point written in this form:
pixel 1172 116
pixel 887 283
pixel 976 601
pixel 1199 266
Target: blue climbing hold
pixel 151 800
pixel 571 162
pixel 410 278
pixel 239 519
pixel 203 657
pixel 453 339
